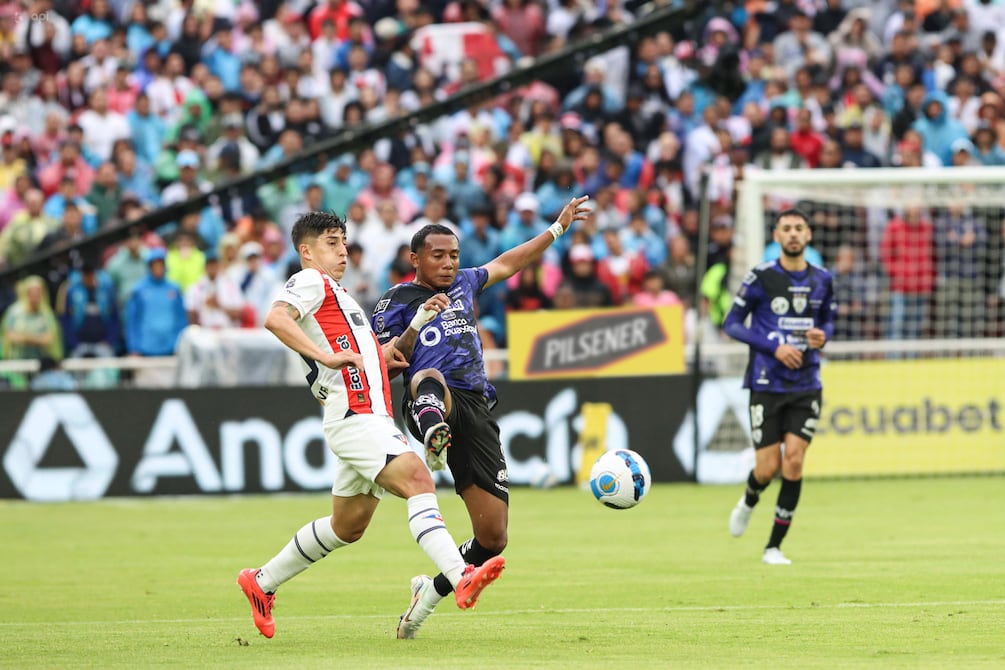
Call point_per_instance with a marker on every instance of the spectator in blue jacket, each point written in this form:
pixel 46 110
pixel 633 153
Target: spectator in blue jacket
pixel 938 129
pixel 90 314
pixel 155 313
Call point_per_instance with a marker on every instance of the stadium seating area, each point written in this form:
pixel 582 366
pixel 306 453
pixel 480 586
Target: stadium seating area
pixel 112 108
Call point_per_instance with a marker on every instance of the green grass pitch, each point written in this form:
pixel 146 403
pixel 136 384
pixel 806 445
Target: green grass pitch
pixel 890 573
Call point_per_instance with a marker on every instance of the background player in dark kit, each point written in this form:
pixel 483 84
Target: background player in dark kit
pixel 791 308
pixel 448 400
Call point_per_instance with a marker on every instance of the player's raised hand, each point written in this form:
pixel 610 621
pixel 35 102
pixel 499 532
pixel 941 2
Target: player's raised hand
pixel 789 356
pixel 342 359
pixel 429 310
pixel 393 357
pixel 573 211
pixel 815 338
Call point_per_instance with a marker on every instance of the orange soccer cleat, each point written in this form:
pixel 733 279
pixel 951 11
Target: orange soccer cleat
pixel 474 581
pixel 261 602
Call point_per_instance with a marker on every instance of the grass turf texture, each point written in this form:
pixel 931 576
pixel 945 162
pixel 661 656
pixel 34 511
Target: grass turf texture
pixel 892 573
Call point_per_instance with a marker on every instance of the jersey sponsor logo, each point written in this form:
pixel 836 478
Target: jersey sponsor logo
pixel 356 383
pixel 795 323
pixel 799 302
pixel 430 336
pixel 780 305
pixel 451 312
pixel 381 305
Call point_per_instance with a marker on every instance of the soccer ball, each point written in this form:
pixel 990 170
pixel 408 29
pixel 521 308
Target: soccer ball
pixel 620 479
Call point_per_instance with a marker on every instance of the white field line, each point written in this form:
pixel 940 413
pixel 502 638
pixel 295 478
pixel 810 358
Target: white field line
pixel 524 612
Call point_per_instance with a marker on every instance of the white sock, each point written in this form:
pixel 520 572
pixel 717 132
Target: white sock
pixel 428 529
pixel 311 543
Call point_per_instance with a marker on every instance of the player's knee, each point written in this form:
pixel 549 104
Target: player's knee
pixel 766 469
pixel 494 540
pixel 348 531
pixel 427 373
pixel 793 467
pixel 416 481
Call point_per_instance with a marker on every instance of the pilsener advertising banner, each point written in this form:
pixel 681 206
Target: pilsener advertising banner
pixel 580 343
pixel 911 416
pixel 89 445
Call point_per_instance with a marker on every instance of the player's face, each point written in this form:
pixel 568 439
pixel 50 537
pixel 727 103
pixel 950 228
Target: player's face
pixel 437 262
pixel 792 234
pixel 327 252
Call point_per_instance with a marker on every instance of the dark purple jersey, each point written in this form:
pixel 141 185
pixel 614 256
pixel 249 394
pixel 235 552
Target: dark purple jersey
pixel 450 342
pixel 782 306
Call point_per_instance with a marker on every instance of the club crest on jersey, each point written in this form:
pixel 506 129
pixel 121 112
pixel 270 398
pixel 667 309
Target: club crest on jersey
pixel 780 305
pixel 380 324
pixel 799 302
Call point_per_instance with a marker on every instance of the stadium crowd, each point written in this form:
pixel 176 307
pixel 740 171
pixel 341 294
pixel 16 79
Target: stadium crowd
pixel 112 108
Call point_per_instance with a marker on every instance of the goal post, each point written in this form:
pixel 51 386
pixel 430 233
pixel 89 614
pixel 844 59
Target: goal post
pixel 914 379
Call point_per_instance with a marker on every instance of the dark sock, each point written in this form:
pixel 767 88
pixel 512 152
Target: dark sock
pixel 473 553
pixel 788 498
pixel 428 408
pixel 754 489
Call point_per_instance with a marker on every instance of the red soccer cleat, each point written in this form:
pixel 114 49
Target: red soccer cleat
pixel 474 581
pixel 261 602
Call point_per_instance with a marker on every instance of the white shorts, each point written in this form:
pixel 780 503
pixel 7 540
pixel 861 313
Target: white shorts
pixel 364 444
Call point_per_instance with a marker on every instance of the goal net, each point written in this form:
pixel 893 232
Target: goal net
pixel 914 378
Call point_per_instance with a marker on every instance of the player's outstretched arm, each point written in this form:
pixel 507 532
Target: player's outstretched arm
pixel 281 321
pixel 508 263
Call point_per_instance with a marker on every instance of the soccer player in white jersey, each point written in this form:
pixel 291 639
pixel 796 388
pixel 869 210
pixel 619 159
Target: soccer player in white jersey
pixel 347 371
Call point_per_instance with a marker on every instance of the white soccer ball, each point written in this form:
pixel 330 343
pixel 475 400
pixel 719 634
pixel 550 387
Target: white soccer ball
pixel 620 479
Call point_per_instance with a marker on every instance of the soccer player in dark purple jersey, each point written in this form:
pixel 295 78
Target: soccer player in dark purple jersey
pixel 791 308
pixel 448 400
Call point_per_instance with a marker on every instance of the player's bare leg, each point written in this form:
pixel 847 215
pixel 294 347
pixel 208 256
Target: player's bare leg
pixel 489 520
pixel 347 523
pixel 766 465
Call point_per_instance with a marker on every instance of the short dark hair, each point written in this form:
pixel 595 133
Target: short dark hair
pixel 793 211
pixel 419 239
pixel 315 224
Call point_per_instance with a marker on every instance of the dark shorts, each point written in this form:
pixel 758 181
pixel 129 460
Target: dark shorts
pixel 772 415
pixel 475 454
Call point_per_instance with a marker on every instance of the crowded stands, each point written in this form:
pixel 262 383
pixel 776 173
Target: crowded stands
pixel 110 109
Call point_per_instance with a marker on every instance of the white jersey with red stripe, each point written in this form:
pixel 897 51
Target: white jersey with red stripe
pixel 335 322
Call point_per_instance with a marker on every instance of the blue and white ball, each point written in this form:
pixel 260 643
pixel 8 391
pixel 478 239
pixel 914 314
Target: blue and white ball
pixel 620 479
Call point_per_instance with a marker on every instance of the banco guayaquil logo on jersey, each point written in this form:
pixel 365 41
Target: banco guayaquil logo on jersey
pixel 33 438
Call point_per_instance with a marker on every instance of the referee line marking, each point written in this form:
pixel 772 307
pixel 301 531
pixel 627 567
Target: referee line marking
pixel 584 610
